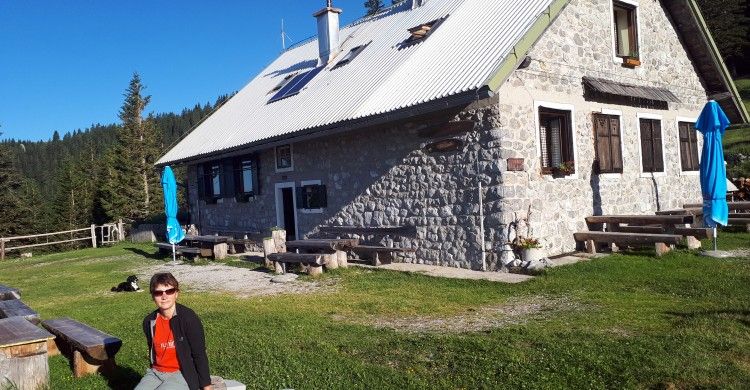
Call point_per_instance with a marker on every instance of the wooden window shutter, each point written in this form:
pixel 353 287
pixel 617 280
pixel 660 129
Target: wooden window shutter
pixel 227 178
pixel 615 138
pixel 647 157
pixel 657 140
pixel 601 138
pixel 256 175
pixel 200 170
pixel 693 147
pixel 688 147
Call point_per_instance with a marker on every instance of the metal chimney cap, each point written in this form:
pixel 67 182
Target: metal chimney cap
pixel 328 9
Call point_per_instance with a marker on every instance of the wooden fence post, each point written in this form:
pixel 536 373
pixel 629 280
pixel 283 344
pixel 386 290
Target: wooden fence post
pixel 120 231
pixel 93 236
pixel 2 249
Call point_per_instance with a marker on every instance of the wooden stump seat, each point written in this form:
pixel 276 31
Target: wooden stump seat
pixel 23 355
pixel 313 261
pixel 16 308
pixel 91 350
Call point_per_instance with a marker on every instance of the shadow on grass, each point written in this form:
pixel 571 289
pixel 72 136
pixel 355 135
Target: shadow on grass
pixel 141 252
pixel 741 316
pixel 122 378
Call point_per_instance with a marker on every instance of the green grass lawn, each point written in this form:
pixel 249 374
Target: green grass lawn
pixel 624 321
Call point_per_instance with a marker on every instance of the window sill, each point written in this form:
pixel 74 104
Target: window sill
pixel 648 175
pixel 690 173
pixel 312 211
pixel 610 176
pixel 282 170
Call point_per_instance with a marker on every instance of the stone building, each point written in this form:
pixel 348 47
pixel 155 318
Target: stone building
pixel 458 117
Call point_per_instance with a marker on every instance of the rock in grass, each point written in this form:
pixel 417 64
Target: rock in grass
pixel 284 278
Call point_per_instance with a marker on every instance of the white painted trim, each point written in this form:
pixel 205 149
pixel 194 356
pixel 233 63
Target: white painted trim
pixel 280 206
pixel 614 175
pixel 557 106
pixel 307 183
pixel 679 149
pixel 634 3
pixel 660 118
pixel 276 161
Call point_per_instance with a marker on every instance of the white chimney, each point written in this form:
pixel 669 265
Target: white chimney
pixel 328 32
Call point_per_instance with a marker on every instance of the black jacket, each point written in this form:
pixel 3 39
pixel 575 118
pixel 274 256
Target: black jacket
pixel 190 343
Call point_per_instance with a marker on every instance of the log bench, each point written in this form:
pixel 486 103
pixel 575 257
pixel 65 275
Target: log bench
pixel 23 355
pixel 7 293
pixel 166 248
pixel 376 252
pixel 16 308
pixel 92 350
pixel 313 261
pixel 661 242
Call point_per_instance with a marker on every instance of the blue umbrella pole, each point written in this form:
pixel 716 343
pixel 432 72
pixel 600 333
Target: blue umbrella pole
pixel 174 258
pixel 715 239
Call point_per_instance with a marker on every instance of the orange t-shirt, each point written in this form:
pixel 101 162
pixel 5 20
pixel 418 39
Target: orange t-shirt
pixel 165 354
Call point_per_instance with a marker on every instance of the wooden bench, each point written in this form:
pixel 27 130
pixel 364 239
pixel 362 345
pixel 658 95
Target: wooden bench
pixel 661 242
pixel 376 253
pixel 166 248
pixel 16 308
pixel 92 350
pixel 7 293
pixel 313 261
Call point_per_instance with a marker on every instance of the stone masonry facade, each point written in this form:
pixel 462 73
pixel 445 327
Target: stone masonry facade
pixel 383 177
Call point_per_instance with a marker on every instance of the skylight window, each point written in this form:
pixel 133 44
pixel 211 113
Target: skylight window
pixel 295 85
pixel 351 55
pixel 284 82
pixel 420 32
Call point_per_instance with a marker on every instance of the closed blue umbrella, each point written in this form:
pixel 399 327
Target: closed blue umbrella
pixel 711 123
pixel 175 233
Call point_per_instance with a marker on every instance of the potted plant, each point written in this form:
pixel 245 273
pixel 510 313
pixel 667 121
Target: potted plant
pixel 564 169
pixel 531 249
pixel 631 60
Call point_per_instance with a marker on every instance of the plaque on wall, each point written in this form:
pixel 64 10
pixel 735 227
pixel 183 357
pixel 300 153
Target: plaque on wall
pixel 515 164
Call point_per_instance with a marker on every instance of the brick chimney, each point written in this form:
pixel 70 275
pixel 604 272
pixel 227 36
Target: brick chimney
pixel 328 32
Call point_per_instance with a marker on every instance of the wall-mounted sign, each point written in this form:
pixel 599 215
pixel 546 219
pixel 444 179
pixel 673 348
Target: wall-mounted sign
pixel 445 145
pixel 515 164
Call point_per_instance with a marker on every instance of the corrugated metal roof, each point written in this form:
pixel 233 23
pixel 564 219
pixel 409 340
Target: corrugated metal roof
pixel 458 56
pixel 614 88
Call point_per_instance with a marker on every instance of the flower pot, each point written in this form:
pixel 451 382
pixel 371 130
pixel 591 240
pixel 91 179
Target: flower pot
pixel 532 254
pixel 631 62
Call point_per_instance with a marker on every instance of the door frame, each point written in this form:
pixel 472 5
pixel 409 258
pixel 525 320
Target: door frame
pixel 280 205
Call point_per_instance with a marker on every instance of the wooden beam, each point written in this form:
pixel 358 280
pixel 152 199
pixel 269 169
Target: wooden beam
pixel 627 238
pixel 641 219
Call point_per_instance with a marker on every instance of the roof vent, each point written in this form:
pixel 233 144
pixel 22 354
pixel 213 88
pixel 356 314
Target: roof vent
pixel 420 32
pixel 328 32
pixel 417 3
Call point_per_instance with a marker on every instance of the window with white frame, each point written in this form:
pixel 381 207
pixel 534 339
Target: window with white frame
pixel 625 29
pixel 688 146
pixel 284 158
pixel 651 145
pixel 556 141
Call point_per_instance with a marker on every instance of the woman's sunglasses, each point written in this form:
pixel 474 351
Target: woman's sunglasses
pixel 169 291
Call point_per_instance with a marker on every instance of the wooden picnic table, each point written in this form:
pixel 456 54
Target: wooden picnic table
pixel 330 245
pixel 16 308
pixel 211 246
pixel 664 220
pixel 9 293
pixel 23 351
pixel 744 205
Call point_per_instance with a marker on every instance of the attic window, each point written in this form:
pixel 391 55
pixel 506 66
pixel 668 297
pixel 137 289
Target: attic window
pixel 354 52
pixel 284 82
pixel 420 32
pixel 295 85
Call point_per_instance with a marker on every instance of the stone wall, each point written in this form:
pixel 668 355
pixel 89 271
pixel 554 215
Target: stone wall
pixel 578 44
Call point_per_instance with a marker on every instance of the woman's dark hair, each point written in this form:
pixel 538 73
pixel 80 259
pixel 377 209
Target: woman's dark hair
pixel 165 279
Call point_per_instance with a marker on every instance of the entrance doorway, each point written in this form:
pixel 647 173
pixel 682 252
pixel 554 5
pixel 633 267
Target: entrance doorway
pixel 286 209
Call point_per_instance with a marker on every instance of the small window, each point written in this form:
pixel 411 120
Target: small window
pixel 245 178
pixel 210 182
pixel 607 137
pixel 312 196
pixel 354 52
pixel 688 147
pixel 556 137
pixel 283 82
pixel 295 85
pixel 284 158
pixel 651 153
pixel 626 30
pixel 420 32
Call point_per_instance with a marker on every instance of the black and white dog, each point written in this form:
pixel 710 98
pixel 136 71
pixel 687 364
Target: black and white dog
pixel 131 284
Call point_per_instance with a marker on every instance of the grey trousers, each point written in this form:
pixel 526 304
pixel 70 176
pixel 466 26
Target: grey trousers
pixel 154 380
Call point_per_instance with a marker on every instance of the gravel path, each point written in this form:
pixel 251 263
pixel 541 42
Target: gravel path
pixel 241 282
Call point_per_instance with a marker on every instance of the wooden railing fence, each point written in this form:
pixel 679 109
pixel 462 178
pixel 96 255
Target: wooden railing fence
pixel 109 233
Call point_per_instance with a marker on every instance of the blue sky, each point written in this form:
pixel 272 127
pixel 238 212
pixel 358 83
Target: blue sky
pixel 64 65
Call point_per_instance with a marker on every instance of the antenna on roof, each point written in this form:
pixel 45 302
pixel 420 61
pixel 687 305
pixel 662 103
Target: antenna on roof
pixel 284 36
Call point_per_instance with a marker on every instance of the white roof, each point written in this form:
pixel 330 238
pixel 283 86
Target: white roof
pixel 459 56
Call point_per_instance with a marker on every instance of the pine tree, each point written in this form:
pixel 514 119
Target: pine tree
pixel 729 25
pixel 14 207
pixel 132 181
pixel 373 6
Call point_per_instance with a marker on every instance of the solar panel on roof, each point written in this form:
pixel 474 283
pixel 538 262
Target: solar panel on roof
pixel 296 84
